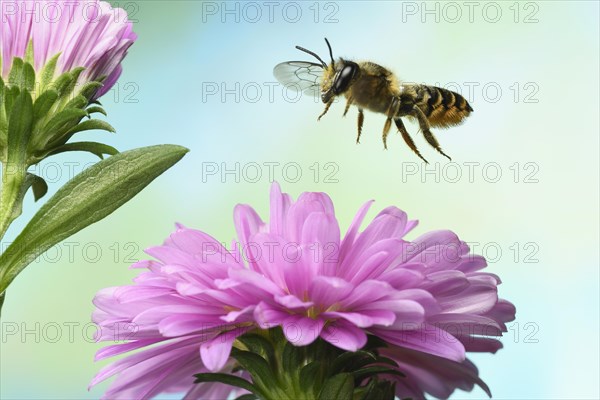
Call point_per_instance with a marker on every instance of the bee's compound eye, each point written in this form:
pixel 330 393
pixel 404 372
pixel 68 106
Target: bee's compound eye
pixel 345 77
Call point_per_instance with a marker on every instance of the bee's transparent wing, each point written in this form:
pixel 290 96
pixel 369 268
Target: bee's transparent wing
pixel 300 76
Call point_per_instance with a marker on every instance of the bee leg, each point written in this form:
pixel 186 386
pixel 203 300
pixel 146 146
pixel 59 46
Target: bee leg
pixel 424 124
pixel 361 120
pixel 348 104
pixel 408 139
pixel 327 105
pixel 391 112
pixel 386 131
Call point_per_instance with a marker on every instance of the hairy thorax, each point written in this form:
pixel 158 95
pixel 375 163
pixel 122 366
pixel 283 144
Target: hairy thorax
pixel 374 89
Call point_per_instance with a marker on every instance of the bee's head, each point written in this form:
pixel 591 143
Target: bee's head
pixel 337 79
pixel 337 76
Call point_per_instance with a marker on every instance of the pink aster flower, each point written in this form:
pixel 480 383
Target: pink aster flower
pixel 180 306
pixel 57 58
pixel 426 299
pixel 87 33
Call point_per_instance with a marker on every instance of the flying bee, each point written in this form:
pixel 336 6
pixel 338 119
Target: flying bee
pixel 372 87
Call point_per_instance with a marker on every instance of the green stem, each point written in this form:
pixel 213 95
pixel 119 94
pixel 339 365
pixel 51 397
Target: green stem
pixel 13 179
pixel 2 296
pixel 11 199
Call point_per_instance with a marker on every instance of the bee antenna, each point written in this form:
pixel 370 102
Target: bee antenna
pixel 330 51
pixel 312 53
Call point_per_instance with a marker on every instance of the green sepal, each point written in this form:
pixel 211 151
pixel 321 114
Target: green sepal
pixel 47 73
pixel 91 124
pixel 87 198
pixel 29 53
pixel 3 117
pixel 260 345
pixel 75 72
pixel 255 365
pixel 368 372
pixel 247 396
pixel 38 186
pixel 78 101
pixel 28 77
pixel 95 109
pixel 338 387
pixel 98 149
pixel 350 361
pixel 44 103
pixel 10 96
pixel 89 89
pixel 15 76
pixel 20 123
pixel 64 120
pixel 21 75
pixel 226 379
pixel 311 376
pixel 62 83
pixel 291 358
pixel 379 390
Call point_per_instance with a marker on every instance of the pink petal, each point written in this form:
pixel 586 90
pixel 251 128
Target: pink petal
pixel 321 240
pixel 344 335
pixel 300 330
pixel 292 302
pixel 427 339
pixel 280 204
pixel 247 223
pixel 326 291
pixel 352 232
pixel 215 352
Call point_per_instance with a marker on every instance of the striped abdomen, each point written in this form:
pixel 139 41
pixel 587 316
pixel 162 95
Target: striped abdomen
pixel 443 108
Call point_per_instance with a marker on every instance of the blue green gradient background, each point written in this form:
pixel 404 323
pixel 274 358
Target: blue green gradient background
pixel 551 350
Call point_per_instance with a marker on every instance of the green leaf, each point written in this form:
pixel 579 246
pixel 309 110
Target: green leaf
pixel 338 387
pixel 98 149
pixel 19 130
pixel 227 379
pixel 89 197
